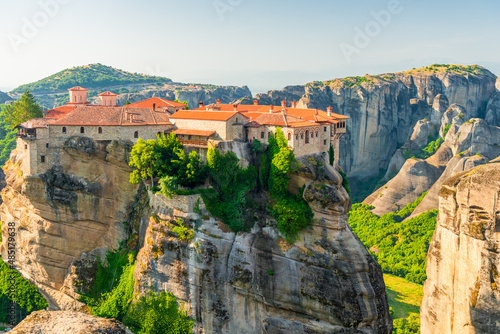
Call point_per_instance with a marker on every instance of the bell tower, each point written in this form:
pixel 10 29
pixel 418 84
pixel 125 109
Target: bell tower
pixel 78 95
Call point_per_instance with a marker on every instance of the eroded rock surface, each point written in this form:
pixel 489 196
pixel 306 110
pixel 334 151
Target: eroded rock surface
pixel 258 283
pixel 58 322
pixel 461 293
pixel 73 212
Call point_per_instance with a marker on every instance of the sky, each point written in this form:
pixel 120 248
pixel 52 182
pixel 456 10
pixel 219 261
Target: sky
pixel 265 44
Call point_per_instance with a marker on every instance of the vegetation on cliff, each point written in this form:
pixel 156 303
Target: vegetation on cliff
pixel 89 76
pixel 15 288
pixel 400 247
pixel 22 110
pixel 7 137
pixel 111 296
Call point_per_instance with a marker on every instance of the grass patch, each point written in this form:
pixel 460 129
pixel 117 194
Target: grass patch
pixel 404 297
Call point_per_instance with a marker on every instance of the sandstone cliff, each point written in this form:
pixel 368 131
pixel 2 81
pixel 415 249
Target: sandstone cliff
pixel 57 322
pixel 385 108
pixel 257 283
pixel 74 211
pixel 461 292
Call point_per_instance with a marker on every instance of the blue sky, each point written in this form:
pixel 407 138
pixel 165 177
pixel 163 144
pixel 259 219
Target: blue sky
pixel 262 44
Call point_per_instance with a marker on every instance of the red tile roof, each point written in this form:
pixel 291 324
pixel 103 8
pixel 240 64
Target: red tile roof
pixel 193 132
pixel 100 115
pixel 205 115
pixel 108 93
pixel 77 88
pixel 159 103
pixel 59 112
pixel 36 123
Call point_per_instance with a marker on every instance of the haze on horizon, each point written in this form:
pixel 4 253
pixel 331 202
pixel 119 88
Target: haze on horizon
pixel 262 44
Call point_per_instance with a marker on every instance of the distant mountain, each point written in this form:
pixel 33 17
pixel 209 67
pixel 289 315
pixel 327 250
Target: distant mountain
pixel 4 97
pixel 94 76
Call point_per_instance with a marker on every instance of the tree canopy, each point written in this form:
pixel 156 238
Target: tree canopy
pixel 22 110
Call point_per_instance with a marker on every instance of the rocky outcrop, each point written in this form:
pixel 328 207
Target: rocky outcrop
pixel 461 293
pixel 256 282
pixel 384 109
pixel 73 212
pixel 57 322
pixel 466 146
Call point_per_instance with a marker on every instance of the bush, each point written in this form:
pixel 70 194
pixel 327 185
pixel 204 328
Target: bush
pixel 168 185
pixel 159 313
pixel 292 214
pixel 184 233
pixel 410 325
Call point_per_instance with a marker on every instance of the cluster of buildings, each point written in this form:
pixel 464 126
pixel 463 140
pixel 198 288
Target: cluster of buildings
pixel 40 140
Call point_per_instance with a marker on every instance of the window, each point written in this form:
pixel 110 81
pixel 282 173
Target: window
pixel 307 136
pixel 236 119
pixel 297 136
pixel 324 142
pixel 47 145
pixel 82 130
pixel 42 159
pixel 64 129
pixel 268 135
pixel 302 136
pixel 136 134
pixel 262 135
pixel 289 136
pixel 324 128
pixel 100 130
pixel 316 133
pixel 25 147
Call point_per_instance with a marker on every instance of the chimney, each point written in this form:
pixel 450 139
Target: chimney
pixel 271 108
pixel 283 104
pixel 329 111
pixel 201 104
pixel 294 104
pixel 154 106
pixel 235 107
pixel 255 102
pixel 218 102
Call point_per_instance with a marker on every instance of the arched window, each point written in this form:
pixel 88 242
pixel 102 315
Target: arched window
pixel 100 130
pixel 289 136
pixel 64 129
pixel 268 135
pixel 307 136
pixel 302 136
pixel 262 135
pixel 136 134
pixel 297 136
pixel 316 133
pixel 82 130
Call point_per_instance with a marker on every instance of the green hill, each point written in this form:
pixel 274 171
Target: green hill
pixel 89 76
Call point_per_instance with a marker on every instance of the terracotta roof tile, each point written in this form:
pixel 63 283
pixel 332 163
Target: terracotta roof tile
pixel 159 103
pixel 59 112
pixel 36 123
pixel 108 93
pixel 99 115
pixel 77 88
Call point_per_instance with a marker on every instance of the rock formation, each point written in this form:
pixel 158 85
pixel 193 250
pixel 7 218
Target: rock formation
pixel 384 109
pixel 74 211
pixel 461 294
pixel 57 322
pixel 256 282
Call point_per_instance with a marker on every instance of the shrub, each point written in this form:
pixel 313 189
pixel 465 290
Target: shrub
pixel 168 185
pixel 184 233
pixel 159 313
pixel 292 214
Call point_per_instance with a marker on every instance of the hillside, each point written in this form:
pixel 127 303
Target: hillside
pixel 4 97
pixel 90 76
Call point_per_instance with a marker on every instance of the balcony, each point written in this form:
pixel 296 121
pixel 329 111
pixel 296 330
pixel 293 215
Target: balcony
pixel 194 143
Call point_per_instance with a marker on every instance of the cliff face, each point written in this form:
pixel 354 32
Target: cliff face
pixel 461 292
pixel 385 108
pixel 257 283
pixel 74 211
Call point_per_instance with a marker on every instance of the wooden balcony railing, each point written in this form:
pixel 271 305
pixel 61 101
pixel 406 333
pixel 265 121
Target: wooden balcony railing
pixel 196 143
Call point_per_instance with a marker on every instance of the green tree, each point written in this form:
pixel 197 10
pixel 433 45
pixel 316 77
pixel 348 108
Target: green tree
pixel 168 185
pixel 127 103
pixel 191 170
pixel 331 155
pixel 187 105
pixel 144 159
pixel 22 110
